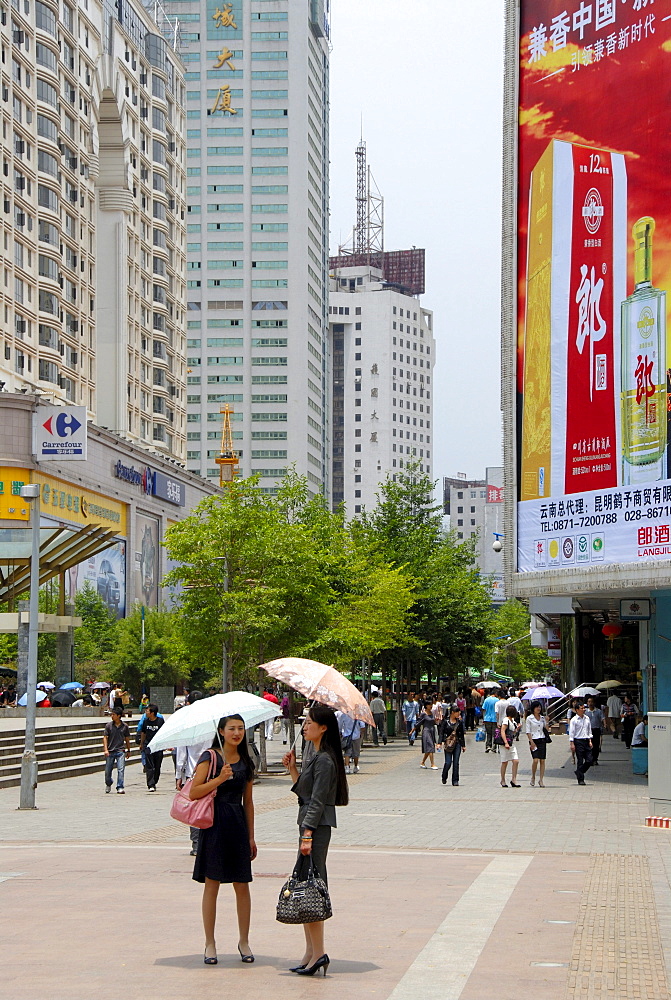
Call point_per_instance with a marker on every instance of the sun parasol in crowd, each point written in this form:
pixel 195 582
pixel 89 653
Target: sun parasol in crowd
pixel 584 691
pixel 542 693
pixel 47 685
pixel 321 683
pixel 607 685
pixel 197 723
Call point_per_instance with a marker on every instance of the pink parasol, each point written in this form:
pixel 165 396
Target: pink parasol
pixel 321 683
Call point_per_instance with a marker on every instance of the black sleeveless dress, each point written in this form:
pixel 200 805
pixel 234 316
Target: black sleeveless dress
pixel 223 849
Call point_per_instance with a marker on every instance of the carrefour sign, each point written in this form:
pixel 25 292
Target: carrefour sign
pixel 59 433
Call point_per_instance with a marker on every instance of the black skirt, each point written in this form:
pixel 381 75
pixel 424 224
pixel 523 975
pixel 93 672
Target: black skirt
pixel 540 752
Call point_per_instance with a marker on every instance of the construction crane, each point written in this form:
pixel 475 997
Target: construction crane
pixel 227 459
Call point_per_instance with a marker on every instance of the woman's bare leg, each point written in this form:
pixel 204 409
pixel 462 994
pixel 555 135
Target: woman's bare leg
pixel 308 946
pixel 542 771
pixel 504 765
pixel 516 764
pixel 315 933
pixel 243 902
pixel 209 908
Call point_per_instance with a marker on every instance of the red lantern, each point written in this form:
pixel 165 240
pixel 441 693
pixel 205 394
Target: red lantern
pixel 611 631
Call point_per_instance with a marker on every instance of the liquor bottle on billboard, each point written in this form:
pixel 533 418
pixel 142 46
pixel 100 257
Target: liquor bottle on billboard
pixel 643 368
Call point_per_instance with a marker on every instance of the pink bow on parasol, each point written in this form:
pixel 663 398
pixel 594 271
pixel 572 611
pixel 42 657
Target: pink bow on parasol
pixel 321 683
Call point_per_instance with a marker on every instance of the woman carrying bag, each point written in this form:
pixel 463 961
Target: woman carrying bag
pixel 451 735
pixel 536 728
pixel 427 724
pixel 227 848
pixel 509 729
pixel 320 787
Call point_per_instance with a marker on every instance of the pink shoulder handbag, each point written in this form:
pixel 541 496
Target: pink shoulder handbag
pixel 195 812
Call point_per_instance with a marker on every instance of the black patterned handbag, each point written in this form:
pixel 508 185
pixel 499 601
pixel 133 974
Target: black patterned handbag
pixel 304 897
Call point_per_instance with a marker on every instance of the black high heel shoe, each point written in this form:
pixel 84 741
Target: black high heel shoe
pixel 297 968
pixel 247 959
pixel 321 963
pixel 210 961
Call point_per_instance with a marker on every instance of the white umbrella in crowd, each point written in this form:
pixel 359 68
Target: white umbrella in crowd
pixel 197 723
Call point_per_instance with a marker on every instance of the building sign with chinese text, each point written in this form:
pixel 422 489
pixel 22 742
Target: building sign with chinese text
pixel 594 253
pixel 60 500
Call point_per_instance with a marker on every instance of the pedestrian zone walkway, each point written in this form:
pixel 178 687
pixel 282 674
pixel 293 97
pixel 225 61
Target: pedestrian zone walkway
pixel 474 892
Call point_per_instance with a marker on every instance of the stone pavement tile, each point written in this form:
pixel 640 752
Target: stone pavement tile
pixel 134 924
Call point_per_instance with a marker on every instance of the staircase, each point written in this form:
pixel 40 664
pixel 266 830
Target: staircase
pixel 62 752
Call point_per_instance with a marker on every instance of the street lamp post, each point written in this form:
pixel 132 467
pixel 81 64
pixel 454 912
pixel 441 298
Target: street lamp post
pixel 29 757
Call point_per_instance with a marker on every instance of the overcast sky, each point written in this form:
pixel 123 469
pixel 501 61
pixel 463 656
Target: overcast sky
pixel 427 77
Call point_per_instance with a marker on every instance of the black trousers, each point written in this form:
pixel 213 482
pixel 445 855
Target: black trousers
pixel 378 729
pixel 470 718
pixel 153 763
pixel 628 727
pixel 596 744
pixel 583 754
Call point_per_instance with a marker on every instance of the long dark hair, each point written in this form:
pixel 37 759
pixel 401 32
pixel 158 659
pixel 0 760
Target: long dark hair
pixel 330 744
pixel 243 748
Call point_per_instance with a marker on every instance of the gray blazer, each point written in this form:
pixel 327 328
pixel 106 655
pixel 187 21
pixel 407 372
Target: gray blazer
pixel 316 790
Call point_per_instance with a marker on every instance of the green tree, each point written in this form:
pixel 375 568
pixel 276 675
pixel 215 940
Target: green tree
pixel 159 660
pixel 517 659
pixel 96 637
pixel 452 607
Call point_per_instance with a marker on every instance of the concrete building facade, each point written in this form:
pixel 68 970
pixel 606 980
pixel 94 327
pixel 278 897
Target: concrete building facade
pixel 383 353
pixel 92 306
pixel 257 190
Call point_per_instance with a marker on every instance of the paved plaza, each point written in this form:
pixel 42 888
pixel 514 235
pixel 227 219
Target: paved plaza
pixel 470 893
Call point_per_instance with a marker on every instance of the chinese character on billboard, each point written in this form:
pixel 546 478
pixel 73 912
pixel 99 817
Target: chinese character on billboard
pixel 594 260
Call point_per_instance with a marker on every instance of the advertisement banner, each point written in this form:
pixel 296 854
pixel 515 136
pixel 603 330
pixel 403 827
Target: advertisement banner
pixel 594 266
pixel 146 559
pixel 106 573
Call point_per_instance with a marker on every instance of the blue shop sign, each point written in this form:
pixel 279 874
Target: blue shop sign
pixel 169 489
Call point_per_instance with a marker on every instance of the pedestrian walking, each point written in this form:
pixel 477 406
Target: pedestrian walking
pixel 517 704
pixel 227 848
pixel 320 787
pixel 437 710
pixel 410 710
pixel 150 725
pixel 536 730
pixel 379 710
pixel 469 724
pixel 489 712
pixel 350 740
pixel 595 716
pixel 116 746
pixel 614 709
pixel 270 723
pixel 285 708
pixel 460 702
pixel 508 729
pixel 452 737
pixel 580 735
pixel 427 724
pixel 629 718
pixel 501 708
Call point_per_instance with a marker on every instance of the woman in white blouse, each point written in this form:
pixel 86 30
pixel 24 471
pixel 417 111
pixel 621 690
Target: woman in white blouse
pixel 535 729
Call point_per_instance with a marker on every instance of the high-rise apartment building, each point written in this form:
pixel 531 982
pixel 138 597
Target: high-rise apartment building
pixel 92 301
pixel 257 231
pixel 383 353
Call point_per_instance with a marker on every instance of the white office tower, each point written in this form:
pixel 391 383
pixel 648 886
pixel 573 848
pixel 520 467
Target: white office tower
pixel 93 299
pixel 257 223
pixel 383 353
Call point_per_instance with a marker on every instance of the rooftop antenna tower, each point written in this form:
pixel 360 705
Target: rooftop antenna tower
pixel 368 233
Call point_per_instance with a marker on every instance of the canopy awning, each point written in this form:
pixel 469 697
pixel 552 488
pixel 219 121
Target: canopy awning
pixel 61 548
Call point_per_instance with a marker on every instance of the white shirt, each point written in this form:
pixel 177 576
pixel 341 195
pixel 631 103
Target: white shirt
pixel 639 734
pixel 614 706
pixel 580 729
pixel 501 707
pixel 187 759
pixel 516 703
pixel 534 727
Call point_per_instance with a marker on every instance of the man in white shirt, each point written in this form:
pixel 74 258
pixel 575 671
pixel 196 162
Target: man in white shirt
pixel 639 739
pixel 614 709
pixel 350 738
pixel 501 708
pixel 516 703
pixel 580 735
